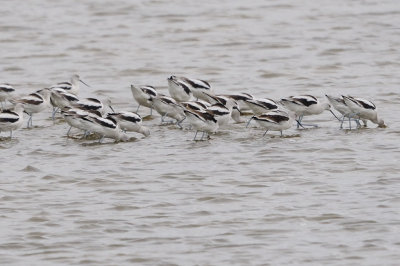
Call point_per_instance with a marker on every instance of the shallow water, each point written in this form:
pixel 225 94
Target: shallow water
pixel 317 196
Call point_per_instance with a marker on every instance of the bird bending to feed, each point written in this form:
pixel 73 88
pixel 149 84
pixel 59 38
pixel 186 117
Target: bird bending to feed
pixel 35 103
pixel 167 106
pixel 197 87
pixel 277 120
pixel 179 89
pixel 6 91
pixel 61 98
pixel 75 117
pixel 201 121
pixel 339 105
pixel 129 121
pixel 72 86
pixel 143 95
pixel 12 119
pixel 106 127
pixel 364 109
pixel 260 106
pixel 305 105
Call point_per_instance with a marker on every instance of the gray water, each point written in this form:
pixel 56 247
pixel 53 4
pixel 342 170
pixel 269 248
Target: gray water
pixel 316 196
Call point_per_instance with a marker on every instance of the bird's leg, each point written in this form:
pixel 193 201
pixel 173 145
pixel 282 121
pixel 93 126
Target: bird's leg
pixel 137 110
pixel 281 133
pixel 248 123
pixel 101 139
pixel 53 115
pixel 265 133
pixel 11 134
pixel 69 131
pixel 195 135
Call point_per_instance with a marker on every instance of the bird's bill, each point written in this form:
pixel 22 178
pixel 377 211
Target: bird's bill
pixel 84 83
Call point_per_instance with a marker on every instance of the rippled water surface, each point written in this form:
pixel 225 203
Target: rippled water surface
pixel 317 196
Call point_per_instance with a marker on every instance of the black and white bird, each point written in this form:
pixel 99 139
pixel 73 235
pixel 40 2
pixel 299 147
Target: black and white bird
pixel 106 127
pixel 35 103
pixel 339 105
pixel 143 96
pixel 204 122
pixel 71 86
pixel 230 105
pixel 168 107
pixel 179 89
pixel 61 98
pixel 260 106
pixel 76 118
pixel 304 105
pixel 364 109
pixel 277 120
pixel 129 121
pixel 197 87
pixel 6 91
pixel 12 119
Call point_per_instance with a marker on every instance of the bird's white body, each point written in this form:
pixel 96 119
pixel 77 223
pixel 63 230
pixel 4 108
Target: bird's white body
pixel 262 105
pixel 6 92
pixel 12 119
pixel 364 109
pixel 305 105
pixel 202 121
pixel 197 87
pixel 167 106
pixel 277 120
pixel 143 95
pixel 129 121
pixel 179 89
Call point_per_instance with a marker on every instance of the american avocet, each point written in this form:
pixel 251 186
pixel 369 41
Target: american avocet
pixel 75 118
pixel 11 119
pixel 35 103
pixel 93 104
pixel 260 106
pixel 179 89
pixel 6 91
pixel 201 121
pixel 339 105
pixel 61 98
pixel 364 109
pixel 241 99
pixel 229 103
pixel 304 105
pixel 72 86
pixel 167 106
pixel 197 87
pixel 198 105
pixel 143 96
pixel 277 120
pixel 129 121
pixel 221 113
pixel 106 127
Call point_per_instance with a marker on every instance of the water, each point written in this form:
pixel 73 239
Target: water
pixel 319 196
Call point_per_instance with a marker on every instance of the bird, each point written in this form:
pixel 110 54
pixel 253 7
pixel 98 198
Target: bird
pixel 198 105
pixel 61 98
pixel 143 96
pixel 277 120
pixel 167 106
pixel 304 105
pixel 197 87
pixel 12 119
pixel 93 104
pixel 6 91
pixel 72 86
pixel 220 112
pixel 241 99
pixel 35 103
pixel 129 121
pixel 179 89
pixel 75 118
pixel 339 105
pixel 364 109
pixel 260 106
pixel 106 127
pixel 201 121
